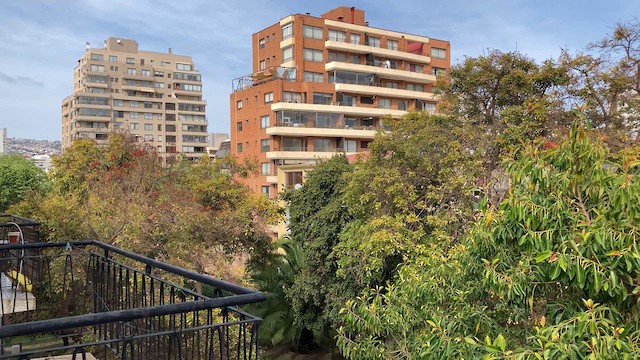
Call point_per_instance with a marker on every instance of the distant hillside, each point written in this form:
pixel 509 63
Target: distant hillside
pixel 30 146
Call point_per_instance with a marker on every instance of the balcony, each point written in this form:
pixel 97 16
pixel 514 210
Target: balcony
pixel 343 45
pixel 351 109
pixel 301 153
pixel 385 92
pixel 310 129
pixel 382 72
pixel 87 299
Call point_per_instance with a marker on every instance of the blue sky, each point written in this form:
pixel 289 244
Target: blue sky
pixel 41 40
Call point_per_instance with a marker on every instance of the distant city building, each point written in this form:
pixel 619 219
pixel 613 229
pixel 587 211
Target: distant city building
pixel 42 161
pixel 3 140
pixel 224 149
pixel 213 142
pixel 154 96
pixel 322 86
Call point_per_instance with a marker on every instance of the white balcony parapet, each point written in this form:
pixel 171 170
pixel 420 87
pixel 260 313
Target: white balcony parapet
pixel 366 49
pixel 355 110
pixel 383 72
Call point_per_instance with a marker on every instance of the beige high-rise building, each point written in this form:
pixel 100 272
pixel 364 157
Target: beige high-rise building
pixel 154 96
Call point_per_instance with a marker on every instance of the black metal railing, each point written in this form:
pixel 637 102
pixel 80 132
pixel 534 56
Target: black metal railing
pixel 88 298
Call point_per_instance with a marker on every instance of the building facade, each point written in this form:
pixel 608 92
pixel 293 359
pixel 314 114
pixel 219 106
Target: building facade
pixel 154 96
pixel 3 140
pixel 322 85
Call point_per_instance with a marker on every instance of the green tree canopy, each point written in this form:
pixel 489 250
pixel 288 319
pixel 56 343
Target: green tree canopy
pixel 18 177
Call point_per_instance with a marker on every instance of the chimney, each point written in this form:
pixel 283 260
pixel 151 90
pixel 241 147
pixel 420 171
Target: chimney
pixel 353 15
pixel 170 51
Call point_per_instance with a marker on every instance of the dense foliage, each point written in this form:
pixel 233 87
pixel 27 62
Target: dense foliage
pixel 18 177
pixel 506 227
pixel 191 214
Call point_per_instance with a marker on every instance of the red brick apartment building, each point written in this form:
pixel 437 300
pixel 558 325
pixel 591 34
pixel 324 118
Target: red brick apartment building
pixel 321 86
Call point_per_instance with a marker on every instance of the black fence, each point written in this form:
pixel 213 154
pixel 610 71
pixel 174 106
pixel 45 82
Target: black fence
pixel 92 300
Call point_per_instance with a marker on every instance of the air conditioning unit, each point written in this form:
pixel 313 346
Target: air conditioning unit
pixel 286 120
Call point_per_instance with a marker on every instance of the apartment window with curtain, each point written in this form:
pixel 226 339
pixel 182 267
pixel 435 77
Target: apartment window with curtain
pixel 313 55
pixel 438 53
pixel 312 32
pixel 373 41
pixel 265 145
pixel 264 121
pixel 313 76
pixel 265 168
pixel 384 103
pixel 262 65
pixel 322 145
pixel 392 44
pixel 355 38
pixel 336 35
pixel 287 53
pixel 287 31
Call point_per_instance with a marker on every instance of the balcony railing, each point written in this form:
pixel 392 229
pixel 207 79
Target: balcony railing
pixel 87 298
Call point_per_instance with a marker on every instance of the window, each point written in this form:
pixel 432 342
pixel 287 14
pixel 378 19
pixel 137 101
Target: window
pixel 131 71
pixel 264 190
pixel 312 32
pixel 131 60
pixel 187 67
pixel 438 72
pixel 287 31
pixel 261 42
pixel 334 56
pixel 392 85
pixel 133 115
pixel 133 126
pixel 313 55
pixel 239 104
pixel 291 97
pixel 239 126
pixel 355 38
pixel 268 97
pixel 133 104
pixel 384 103
pixel 364 144
pixel 392 44
pixel 118 102
pixel 96 68
pixel 158 73
pixel 322 98
pixel 355 59
pixel 437 53
pixel 431 107
pixel 415 87
pixel 262 65
pixel 418 68
pixel 287 53
pixel 337 35
pixel 350 122
pixel 264 121
pixel 148 137
pixel 373 41
pixel 145 72
pixel 312 76
pixel 113 59
pixel 148 116
pixel 158 85
pixel 188 87
pixel 97 57
pixel 403 104
pixel 265 169
pixel 349 146
pixel 264 145
pixel 239 147
pixel 148 127
pixel 293 178
pixel 322 145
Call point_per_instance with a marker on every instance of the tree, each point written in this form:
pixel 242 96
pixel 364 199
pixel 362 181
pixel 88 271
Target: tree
pixel 274 277
pixel 317 216
pixel 416 186
pixel 551 273
pixel 18 178
pixel 193 215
